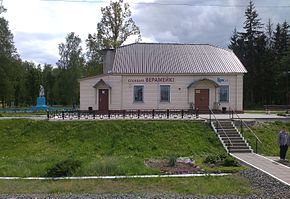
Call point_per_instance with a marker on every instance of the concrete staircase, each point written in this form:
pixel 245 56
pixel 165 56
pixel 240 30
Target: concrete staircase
pixel 230 137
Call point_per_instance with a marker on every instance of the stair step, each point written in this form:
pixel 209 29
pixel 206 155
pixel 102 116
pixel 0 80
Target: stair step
pixel 228 132
pixel 232 139
pixel 224 126
pixel 238 147
pixel 240 151
pixel 231 129
pixel 229 135
pixel 236 144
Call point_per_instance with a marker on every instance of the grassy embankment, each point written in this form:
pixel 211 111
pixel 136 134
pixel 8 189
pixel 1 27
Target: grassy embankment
pixel 35 114
pixel 29 148
pixel 268 134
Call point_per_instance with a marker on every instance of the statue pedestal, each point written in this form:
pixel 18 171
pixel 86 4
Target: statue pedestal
pixel 41 104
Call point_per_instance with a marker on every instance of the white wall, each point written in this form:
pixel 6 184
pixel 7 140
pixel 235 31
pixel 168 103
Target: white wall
pixel 121 94
pixel 89 94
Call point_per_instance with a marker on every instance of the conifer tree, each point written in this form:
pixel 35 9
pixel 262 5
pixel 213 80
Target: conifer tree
pixel 254 42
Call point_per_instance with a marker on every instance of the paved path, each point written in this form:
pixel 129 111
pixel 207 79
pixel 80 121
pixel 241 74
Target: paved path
pixel 267 165
pixel 244 116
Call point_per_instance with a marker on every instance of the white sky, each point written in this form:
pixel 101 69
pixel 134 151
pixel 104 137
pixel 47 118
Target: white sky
pixel 39 26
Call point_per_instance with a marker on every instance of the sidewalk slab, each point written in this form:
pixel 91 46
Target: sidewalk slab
pixel 243 116
pixel 266 165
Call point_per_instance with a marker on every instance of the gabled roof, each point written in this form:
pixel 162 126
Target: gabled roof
pixel 204 79
pixel 158 58
pixel 101 82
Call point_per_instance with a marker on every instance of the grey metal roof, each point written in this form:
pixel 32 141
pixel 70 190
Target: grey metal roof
pixel 158 58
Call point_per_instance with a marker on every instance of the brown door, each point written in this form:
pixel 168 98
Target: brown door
pixel 202 99
pixel 103 99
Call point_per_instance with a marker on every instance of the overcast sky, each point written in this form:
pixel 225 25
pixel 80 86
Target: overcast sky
pixel 39 26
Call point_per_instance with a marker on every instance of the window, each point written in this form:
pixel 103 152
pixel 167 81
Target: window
pixel 224 93
pixel 138 93
pixel 164 93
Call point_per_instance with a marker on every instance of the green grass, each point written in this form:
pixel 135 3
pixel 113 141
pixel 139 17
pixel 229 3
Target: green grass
pixel 30 148
pixel 228 185
pixel 268 134
pixel 22 114
pixel 263 111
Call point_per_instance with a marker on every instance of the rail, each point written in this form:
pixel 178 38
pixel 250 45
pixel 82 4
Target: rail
pixel 211 113
pixel 122 114
pixel 245 124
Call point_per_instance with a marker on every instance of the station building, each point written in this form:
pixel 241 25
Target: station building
pixel 146 76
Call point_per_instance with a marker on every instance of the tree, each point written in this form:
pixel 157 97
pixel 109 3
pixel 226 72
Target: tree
pixel 285 38
pixel 254 43
pixel 94 57
pixel 33 78
pixel 281 39
pixel 2 9
pixel 236 44
pixel 281 58
pixel 70 64
pixel 48 80
pixel 8 57
pixel 252 25
pixel 7 47
pixel 269 34
pixel 116 25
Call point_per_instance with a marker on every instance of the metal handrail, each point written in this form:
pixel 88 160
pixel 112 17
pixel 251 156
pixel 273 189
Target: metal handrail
pixel 220 126
pixel 246 126
pixel 242 122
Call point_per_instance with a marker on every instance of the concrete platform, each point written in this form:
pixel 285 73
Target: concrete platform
pixel 244 116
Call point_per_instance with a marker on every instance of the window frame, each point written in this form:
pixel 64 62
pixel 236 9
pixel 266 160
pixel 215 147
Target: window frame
pixel 227 88
pixel 168 95
pixel 134 95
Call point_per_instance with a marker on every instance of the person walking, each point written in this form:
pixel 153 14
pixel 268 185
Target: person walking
pixel 283 141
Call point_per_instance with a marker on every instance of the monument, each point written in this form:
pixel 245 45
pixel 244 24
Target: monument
pixel 41 102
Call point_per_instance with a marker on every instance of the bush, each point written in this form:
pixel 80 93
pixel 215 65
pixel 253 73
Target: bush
pixel 214 159
pixel 230 162
pixel 64 168
pixel 221 160
pixel 172 161
pixel 210 159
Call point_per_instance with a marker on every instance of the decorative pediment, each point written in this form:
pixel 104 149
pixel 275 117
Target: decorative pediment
pixel 203 80
pixel 102 83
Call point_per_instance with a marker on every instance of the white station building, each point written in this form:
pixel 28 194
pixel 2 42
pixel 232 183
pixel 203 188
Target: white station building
pixel 146 76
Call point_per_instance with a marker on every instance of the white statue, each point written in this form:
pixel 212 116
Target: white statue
pixel 41 91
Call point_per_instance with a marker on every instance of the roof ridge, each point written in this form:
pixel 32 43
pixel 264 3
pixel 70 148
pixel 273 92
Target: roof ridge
pixel 174 43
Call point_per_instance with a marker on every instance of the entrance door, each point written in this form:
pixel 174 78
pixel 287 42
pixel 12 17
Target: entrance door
pixel 103 99
pixel 202 99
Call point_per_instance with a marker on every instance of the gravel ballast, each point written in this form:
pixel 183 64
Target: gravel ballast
pixel 264 185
